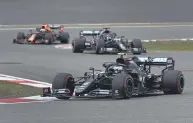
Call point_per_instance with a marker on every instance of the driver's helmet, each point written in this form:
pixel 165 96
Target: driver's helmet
pixel 130 62
pixel 115 69
pixel 106 31
pixel 45 27
pixel 108 37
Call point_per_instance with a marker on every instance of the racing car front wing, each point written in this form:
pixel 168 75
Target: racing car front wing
pixel 29 42
pixel 60 93
pixel 115 50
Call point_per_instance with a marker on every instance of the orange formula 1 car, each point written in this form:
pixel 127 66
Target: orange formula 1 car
pixel 45 35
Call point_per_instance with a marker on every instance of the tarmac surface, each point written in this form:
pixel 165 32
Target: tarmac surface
pixel 43 62
pixel 94 11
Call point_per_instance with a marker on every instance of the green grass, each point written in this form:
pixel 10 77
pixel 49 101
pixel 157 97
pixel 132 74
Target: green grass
pixel 14 90
pixel 169 46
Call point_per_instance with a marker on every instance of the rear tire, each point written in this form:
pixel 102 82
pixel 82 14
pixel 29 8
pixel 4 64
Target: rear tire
pixel 78 45
pixel 64 37
pixel 173 82
pixel 64 80
pixel 48 37
pixel 100 44
pixel 20 36
pixel 136 43
pixel 124 84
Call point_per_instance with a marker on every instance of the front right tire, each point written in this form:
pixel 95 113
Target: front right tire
pixel 122 86
pixel 62 81
pixel 137 43
pixel 78 45
pixel 100 44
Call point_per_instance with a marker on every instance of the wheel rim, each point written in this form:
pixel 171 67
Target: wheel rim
pixel 69 84
pixel 73 44
pixel 181 83
pixel 128 87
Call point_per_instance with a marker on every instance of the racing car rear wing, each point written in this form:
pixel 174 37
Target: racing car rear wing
pixel 89 33
pixel 157 61
pixel 53 26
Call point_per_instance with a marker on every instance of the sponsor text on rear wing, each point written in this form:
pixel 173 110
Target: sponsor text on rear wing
pixel 159 61
pixel 55 26
pixel 89 33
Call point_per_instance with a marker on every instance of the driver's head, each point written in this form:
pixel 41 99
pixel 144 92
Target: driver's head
pixel 106 31
pixel 108 38
pixel 46 27
pixel 43 26
pixel 129 61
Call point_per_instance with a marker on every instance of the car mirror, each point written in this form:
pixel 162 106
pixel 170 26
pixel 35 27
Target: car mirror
pixel 91 68
pixel 85 74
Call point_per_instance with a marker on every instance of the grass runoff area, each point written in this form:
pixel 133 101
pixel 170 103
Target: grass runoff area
pixel 14 90
pixel 169 46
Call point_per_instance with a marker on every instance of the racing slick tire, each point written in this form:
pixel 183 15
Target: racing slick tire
pixel 122 86
pixel 173 82
pixel 48 38
pixel 137 44
pixel 78 45
pixel 20 36
pixel 64 37
pixel 64 81
pixel 100 44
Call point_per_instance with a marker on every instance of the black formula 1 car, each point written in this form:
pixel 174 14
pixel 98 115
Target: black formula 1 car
pixel 49 35
pixel 105 41
pixel 121 79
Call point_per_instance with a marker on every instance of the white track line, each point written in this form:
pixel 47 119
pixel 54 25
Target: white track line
pixel 18 78
pixel 110 26
pixel 34 83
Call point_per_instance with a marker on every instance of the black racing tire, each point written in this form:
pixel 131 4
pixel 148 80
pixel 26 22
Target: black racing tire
pixel 78 45
pixel 124 84
pixel 99 44
pixel 48 37
pixel 64 37
pixel 14 41
pixel 20 36
pixel 137 43
pixel 62 81
pixel 173 82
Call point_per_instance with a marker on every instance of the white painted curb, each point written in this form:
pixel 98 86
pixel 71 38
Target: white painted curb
pixel 28 82
pixel 7 77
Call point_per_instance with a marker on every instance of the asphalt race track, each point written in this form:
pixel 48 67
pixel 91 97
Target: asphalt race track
pixel 43 62
pixel 94 11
